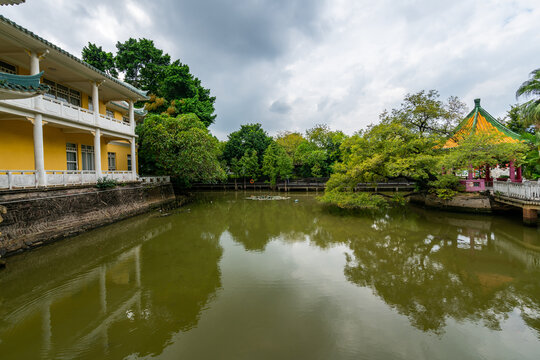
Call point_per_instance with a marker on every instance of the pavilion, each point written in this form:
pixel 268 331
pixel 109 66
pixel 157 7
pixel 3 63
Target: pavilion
pixel 479 121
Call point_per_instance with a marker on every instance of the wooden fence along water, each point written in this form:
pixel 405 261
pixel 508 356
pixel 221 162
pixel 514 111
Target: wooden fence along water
pixel 308 184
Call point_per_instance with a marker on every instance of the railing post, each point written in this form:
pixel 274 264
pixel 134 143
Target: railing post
pixel 10 180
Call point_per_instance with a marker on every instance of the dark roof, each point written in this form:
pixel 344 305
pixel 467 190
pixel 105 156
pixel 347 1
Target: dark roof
pixel 23 83
pixel 73 57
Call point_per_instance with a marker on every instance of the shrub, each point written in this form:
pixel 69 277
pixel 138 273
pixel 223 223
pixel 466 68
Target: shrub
pixel 352 200
pixel 106 183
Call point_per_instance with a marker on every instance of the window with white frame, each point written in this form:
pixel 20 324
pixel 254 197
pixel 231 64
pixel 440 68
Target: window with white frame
pixel 87 156
pixel 112 161
pixel 129 162
pixel 125 119
pixel 71 156
pixel 63 93
pixel 109 113
pixel 7 68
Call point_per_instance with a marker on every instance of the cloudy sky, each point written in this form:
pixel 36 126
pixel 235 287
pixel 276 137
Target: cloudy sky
pixel 291 64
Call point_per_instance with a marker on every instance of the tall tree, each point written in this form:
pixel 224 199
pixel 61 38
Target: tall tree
pixel 179 146
pixel 425 114
pixel 276 163
pixel 142 63
pixel 531 109
pixel 250 137
pixel 290 142
pixel 100 59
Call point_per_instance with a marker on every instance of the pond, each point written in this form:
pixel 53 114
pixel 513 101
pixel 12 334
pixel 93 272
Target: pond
pixel 227 277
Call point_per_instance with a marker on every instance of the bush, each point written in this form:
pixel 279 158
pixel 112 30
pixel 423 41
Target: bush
pixel 445 187
pixel 106 183
pixel 352 200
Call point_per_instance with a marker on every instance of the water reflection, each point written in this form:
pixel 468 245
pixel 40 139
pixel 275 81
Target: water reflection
pixel 131 288
pixel 429 266
pixel 120 290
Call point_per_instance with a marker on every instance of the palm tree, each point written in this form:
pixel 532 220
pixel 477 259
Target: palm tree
pixel 531 109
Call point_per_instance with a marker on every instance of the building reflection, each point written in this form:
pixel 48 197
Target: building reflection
pixel 110 306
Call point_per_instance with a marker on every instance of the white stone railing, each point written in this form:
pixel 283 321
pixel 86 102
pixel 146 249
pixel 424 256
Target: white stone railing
pixel 527 190
pixel 155 179
pixel 13 179
pixel 54 108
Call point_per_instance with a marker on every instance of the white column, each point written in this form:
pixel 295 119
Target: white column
pixel 95 101
pixel 97 152
pixel 34 63
pixel 131 115
pixel 39 156
pixel 133 159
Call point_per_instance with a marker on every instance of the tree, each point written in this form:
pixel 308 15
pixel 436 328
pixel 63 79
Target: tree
pixel 250 137
pixel 480 150
pixel 327 140
pixel 276 163
pixel 425 114
pixel 531 109
pixel 100 59
pixel 142 63
pixel 179 146
pixel 515 122
pixel 383 152
pixel 290 142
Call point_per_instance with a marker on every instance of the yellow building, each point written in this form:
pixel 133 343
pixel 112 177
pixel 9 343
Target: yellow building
pixel 74 126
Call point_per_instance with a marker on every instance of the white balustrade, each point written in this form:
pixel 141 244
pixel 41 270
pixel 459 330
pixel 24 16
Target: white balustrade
pixel 60 109
pixel 155 179
pixel 12 179
pixel 527 190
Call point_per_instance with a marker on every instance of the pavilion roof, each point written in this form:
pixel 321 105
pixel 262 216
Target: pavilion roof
pixel 26 85
pixel 480 122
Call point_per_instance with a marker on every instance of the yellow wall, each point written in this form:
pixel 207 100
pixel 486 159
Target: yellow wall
pixel 121 151
pixel 17 147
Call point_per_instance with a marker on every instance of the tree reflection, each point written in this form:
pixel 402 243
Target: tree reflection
pixel 447 272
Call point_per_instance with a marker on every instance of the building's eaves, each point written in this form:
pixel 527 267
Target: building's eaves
pixel 139 92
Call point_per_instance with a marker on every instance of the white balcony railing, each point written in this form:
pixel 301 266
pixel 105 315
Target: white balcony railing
pixel 11 179
pixel 155 179
pixel 59 109
pixel 527 190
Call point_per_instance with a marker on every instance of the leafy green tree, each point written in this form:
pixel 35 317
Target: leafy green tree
pixel 276 163
pixel 142 63
pixel 249 165
pixel 313 160
pixel 290 142
pixel 515 122
pixel 250 137
pixel 327 140
pixel 179 146
pixel 383 152
pixel 531 109
pixel 425 114
pixel 100 59
pixel 480 150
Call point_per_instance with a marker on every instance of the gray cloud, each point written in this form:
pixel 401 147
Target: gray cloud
pixel 280 107
pixel 339 62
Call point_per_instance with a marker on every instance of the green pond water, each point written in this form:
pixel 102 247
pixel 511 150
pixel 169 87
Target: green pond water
pixel 230 278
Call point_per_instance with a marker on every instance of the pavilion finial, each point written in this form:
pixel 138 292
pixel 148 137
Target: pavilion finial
pixel 477 103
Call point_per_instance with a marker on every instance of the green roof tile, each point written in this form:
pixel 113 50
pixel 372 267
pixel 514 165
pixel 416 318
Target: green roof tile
pixel 24 83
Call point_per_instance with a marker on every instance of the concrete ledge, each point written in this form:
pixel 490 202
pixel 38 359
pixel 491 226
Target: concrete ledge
pixel 462 202
pixel 34 218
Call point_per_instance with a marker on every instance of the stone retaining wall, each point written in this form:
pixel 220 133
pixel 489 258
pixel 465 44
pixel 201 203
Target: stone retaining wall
pixel 33 218
pixel 460 202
